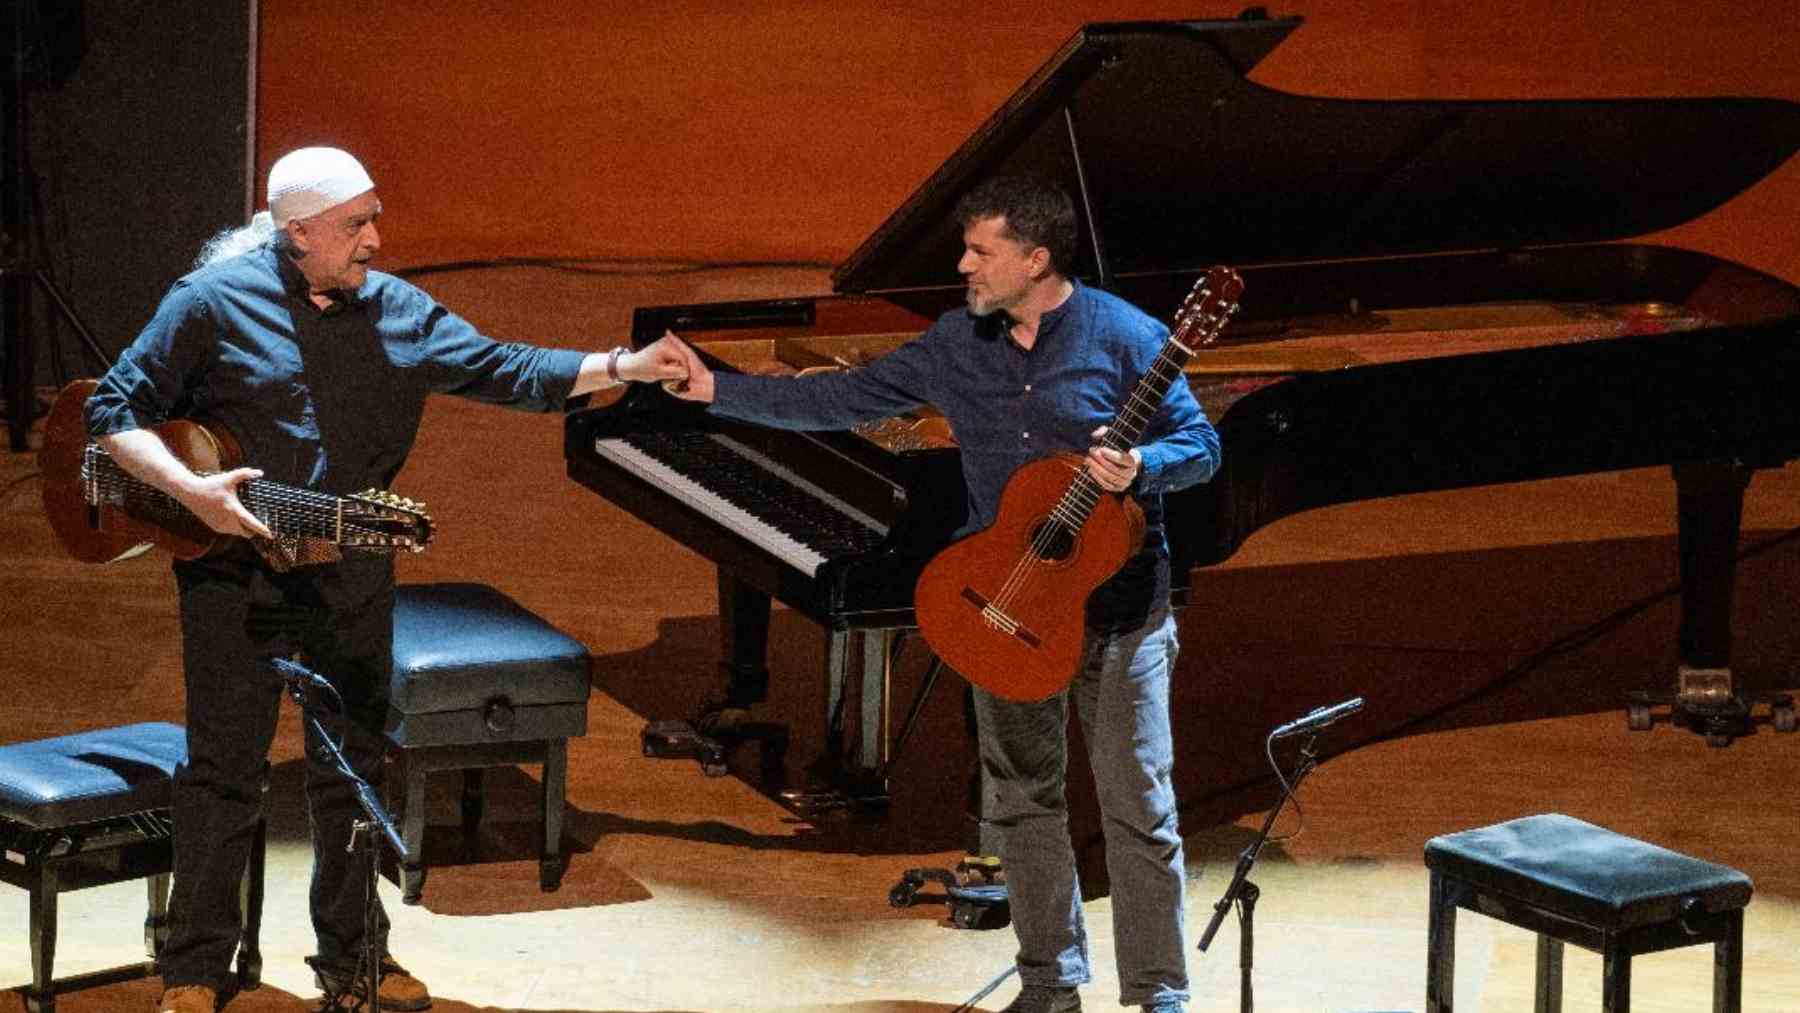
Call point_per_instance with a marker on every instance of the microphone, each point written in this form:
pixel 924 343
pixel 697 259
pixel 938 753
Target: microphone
pixel 1319 717
pixel 298 676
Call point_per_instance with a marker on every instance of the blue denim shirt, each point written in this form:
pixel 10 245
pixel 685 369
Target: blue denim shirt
pixel 325 399
pixel 1009 406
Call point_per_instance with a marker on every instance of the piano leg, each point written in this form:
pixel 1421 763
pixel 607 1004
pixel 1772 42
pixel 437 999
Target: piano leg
pixel 1709 512
pixel 870 654
pixel 854 780
pixel 743 641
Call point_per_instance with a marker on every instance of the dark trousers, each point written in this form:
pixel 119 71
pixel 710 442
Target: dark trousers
pixel 235 614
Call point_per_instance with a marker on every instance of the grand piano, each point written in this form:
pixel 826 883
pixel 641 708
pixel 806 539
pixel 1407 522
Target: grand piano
pixel 1438 296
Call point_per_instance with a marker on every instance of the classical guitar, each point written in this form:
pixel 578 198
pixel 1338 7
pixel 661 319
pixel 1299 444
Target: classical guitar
pixel 1006 606
pixel 101 513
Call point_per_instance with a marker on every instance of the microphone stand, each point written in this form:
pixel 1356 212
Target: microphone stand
pixel 1245 893
pixel 363 833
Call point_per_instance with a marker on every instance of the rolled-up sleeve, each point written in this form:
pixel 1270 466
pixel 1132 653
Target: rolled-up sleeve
pixel 151 377
pixel 460 360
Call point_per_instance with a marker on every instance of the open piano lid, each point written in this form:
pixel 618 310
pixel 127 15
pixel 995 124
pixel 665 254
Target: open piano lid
pixel 1175 161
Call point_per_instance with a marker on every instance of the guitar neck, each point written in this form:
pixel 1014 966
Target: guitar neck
pixel 1203 314
pixel 285 509
pixel 1134 416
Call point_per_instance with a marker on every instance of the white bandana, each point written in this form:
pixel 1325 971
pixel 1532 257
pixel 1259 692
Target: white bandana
pixel 304 182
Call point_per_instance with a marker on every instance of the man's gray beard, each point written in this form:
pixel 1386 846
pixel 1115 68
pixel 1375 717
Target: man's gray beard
pixel 974 303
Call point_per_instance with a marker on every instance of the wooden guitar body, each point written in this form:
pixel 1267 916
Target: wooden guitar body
pixel 108 531
pixel 1006 607
pixel 100 513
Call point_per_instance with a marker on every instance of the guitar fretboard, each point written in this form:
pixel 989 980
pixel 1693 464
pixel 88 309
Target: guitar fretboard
pixel 1202 316
pixel 288 511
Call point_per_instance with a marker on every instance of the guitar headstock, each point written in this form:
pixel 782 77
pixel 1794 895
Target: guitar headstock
pixel 378 519
pixel 1208 306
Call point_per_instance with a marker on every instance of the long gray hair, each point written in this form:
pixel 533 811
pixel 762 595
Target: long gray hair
pixel 229 243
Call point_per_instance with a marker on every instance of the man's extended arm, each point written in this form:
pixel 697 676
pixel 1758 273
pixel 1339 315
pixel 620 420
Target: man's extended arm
pixel 897 382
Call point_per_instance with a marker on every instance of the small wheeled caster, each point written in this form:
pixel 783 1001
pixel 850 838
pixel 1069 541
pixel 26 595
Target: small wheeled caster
pixel 905 892
pixel 982 905
pixel 979 907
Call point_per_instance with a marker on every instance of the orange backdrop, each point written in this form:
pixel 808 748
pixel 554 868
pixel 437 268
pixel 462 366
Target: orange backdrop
pixel 728 131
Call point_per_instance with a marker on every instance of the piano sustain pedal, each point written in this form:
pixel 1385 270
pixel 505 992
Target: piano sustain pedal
pixel 673 739
pixel 712 743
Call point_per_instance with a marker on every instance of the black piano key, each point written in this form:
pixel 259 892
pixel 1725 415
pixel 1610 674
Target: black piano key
pixel 769 497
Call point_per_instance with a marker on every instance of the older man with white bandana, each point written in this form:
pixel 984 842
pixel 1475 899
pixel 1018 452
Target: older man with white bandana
pixel 320 368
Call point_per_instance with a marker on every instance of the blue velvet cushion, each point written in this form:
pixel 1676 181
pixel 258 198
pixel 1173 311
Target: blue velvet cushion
pixel 459 646
pixel 88 776
pixel 1584 871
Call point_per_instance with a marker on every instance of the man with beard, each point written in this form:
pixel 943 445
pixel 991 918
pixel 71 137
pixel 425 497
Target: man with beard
pixel 1032 366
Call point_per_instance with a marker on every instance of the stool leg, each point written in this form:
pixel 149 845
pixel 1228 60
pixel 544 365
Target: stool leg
pixel 1615 990
pixel 412 832
pixel 1728 967
pixel 156 921
pixel 1440 952
pixel 556 774
pixel 471 803
pixel 1549 974
pixel 40 998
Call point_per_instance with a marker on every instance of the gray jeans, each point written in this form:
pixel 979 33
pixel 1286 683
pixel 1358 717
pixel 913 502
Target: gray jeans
pixel 1121 692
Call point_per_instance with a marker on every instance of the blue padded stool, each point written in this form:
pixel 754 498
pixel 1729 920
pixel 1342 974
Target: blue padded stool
pixel 90 809
pixel 1573 882
pixel 480 681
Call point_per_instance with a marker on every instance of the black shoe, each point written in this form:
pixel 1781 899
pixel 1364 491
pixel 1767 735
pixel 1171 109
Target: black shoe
pixel 1046 999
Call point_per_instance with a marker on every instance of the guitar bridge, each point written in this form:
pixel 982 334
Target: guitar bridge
pixel 997 619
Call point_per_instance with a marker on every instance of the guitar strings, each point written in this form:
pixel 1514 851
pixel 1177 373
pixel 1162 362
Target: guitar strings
pixel 292 511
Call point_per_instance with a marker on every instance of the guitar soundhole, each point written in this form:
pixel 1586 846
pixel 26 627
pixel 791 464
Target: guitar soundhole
pixel 1052 542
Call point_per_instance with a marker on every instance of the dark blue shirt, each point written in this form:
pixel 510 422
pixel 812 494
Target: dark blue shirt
pixel 326 399
pixel 1009 406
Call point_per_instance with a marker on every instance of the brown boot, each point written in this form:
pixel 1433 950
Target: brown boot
pixel 398 989
pixel 188 999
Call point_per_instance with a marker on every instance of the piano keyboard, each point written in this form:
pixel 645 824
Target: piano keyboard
pixel 749 493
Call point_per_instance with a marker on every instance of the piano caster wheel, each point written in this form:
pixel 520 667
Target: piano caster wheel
pixel 1781 715
pixel 1637 717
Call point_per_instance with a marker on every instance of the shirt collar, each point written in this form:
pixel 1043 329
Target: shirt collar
pixel 1001 322
pixel 294 283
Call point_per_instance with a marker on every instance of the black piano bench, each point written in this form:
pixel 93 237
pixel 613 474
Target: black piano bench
pixel 90 809
pixel 1574 882
pixel 479 681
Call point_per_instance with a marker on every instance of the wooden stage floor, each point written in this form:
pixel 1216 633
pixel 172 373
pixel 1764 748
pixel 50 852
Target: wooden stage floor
pixel 1479 625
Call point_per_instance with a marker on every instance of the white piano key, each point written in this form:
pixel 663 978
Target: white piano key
pixel 732 517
